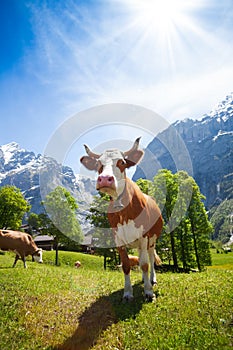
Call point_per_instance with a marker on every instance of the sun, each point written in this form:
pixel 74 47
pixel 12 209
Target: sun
pixel 157 16
pixel 161 12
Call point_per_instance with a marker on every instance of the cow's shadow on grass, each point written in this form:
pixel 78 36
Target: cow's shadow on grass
pixel 104 312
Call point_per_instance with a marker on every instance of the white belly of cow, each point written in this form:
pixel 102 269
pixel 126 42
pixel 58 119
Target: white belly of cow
pixel 128 234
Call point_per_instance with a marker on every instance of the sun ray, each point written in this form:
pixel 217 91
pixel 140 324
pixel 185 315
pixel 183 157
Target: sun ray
pixel 165 32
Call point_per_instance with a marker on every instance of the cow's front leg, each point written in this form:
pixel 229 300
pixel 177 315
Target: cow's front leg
pixel 128 290
pixel 144 264
pixel 152 268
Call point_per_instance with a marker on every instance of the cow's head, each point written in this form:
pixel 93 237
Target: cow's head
pixel 37 256
pixel 111 166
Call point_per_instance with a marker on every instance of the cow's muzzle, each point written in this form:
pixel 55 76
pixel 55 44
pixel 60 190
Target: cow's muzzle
pixel 104 181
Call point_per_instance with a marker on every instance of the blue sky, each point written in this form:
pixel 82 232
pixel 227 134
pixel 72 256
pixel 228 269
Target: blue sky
pixel 59 58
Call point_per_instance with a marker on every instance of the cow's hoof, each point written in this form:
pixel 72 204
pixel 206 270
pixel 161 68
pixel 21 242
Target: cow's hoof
pixel 149 297
pixel 127 299
pixel 153 282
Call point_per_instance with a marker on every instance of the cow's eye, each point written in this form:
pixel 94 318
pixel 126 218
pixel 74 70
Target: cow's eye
pixel 121 164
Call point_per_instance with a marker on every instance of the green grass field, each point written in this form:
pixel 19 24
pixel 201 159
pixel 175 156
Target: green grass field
pixel 49 307
pixel 222 261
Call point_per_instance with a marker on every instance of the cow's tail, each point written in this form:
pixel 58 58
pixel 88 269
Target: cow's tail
pixel 158 261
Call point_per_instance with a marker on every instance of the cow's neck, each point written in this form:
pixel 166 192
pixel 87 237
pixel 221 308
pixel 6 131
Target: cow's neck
pixel 117 203
pixel 123 200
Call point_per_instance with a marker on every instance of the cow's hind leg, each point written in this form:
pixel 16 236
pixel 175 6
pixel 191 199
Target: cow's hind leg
pixel 154 259
pixel 144 264
pixel 17 257
pixel 128 290
pixel 24 261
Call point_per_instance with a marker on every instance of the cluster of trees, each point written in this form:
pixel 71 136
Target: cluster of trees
pixel 60 221
pixel 187 230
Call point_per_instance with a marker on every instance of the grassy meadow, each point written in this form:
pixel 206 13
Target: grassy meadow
pixel 63 308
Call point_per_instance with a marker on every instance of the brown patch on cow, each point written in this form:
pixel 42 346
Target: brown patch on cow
pixel 138 207
pixel 145 267
pixel 133 260
pixel 124 260
pixel 122 165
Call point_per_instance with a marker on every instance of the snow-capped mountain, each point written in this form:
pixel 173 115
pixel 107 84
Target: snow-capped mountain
pixel 208 143
pixel 36 175
pixel 218 122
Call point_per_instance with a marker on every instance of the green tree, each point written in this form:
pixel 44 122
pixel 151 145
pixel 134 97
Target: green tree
pixel 182 228
pixel 165 191
pixel 13 207
pixel 34 222
pixel 145 186
pixel 185 245
pixel 200 226
pixel 62 222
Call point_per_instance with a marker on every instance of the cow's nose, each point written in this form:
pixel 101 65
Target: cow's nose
pixel 105 181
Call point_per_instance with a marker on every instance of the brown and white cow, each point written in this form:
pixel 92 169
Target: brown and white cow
pixel 22 244
pixel 77 264
pixel 134 217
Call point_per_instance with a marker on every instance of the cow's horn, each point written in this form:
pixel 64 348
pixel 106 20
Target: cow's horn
pixel 134 148
pixel 90 153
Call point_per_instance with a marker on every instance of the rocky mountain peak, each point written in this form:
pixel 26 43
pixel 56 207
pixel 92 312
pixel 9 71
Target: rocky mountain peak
pixel 223 109
pixel 12 157
pixel 220 118
pixel 209 142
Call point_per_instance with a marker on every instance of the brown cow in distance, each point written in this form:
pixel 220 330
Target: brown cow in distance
pixel 134 217
pixel 21 243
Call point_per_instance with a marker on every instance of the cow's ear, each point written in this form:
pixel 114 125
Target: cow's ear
pixel 89 163
pixel 134 158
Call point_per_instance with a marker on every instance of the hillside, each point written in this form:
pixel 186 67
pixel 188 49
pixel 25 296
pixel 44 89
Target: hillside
pixel 35 175
pixel 209 144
